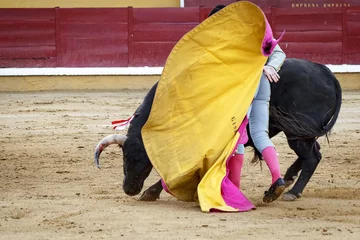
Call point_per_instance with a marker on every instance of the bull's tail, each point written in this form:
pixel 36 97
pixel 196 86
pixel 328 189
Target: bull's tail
pixel 338 91
pixel 307 128
pixel 296 129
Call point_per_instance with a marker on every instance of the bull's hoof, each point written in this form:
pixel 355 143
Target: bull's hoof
pixel 276 189
pixel 149 195
pixel 289 182
pixel 290 197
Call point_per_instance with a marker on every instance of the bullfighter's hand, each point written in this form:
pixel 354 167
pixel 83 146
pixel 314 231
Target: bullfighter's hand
pixel 271 74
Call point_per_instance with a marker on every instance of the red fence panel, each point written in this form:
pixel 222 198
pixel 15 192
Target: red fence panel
pixel 352 39
pixel 121 37
pixel 90 37
pixel 27 38
pixel 313 34
pixel 207 3
pixel 156 31
pixel 278 3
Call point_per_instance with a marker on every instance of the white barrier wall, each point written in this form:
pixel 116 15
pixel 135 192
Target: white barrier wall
pixel 123 71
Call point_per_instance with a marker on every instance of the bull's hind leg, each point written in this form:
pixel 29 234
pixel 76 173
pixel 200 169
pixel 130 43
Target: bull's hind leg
pixel 308 159
pixel 292 172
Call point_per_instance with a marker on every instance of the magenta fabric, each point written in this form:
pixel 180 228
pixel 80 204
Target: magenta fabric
pixel 163 184
pixel 242 131
pixel 231 194
pixel 269 42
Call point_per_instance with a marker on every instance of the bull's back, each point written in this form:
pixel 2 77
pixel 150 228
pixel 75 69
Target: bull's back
pixel 308 91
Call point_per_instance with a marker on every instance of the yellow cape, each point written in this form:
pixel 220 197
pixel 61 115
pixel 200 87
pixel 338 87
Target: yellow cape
pixel 206 87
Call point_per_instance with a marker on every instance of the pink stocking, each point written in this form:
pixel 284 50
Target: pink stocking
pixel 235 165
pixel 270 156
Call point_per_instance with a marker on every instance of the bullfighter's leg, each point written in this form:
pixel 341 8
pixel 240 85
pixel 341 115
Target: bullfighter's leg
pixel 235 165
pixel 152 193
pixel 259 128
pixel 308 152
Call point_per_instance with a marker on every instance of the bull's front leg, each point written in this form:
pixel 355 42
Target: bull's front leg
pixel 152 193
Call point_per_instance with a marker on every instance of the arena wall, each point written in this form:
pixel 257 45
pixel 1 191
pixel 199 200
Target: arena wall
pixel 123 37
pixel 280 3
pixel 134 37
pixel 86 3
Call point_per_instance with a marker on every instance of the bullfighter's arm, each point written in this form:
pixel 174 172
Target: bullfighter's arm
pixel 276 59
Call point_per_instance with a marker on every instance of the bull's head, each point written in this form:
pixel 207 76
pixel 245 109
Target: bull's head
pixel 136 163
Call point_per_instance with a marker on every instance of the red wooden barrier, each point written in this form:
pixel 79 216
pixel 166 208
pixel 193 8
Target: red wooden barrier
pixel 92 37
pixel 156 31
pixel 27 38
pixel 121 37
pixel 314 34
pixel 351 41
pixel 278 3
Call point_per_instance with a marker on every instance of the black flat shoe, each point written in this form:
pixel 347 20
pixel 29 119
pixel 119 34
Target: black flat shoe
pixel 276 189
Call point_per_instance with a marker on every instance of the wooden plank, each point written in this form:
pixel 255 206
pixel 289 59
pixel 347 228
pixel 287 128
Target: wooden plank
pixel 99 59
pixel 264 3
pixel 151 27
pixel 158 36
pixel 207 3
pixel 131 49
pixel 94 30
pixel 105 45
pixel 312 22
pixel 166 15
pixel 317 4
pixel 151 54
pixel 94 15
pixel 307 11
pixel 202 15
pixel 314 47
pixel 352 45
pixel 28 62
pixel 353 26
pixel 353 58
pixel 311 36
pixel 26 27
pixel 266 10
pixel 26 14
pixel 27 52
pixel 271 18
pixel 354 8
pixel 33 39
pixel 334 58
pixel 27 34
pixel 344 35
pixel 57 34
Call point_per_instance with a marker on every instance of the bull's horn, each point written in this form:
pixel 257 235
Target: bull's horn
pixel 106 141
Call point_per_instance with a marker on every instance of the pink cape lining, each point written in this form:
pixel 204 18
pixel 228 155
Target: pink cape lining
pixel 231 194
pixel 269 42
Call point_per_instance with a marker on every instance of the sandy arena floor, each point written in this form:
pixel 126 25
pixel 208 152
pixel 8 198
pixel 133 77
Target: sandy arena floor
pixel 50 188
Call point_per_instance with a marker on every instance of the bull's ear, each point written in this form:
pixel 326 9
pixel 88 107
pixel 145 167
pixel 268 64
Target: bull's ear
pixel 216 9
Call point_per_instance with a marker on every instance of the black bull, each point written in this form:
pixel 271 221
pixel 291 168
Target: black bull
pixel 304 104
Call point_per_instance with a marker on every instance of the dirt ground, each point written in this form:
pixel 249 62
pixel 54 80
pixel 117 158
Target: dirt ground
pixel 50 188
